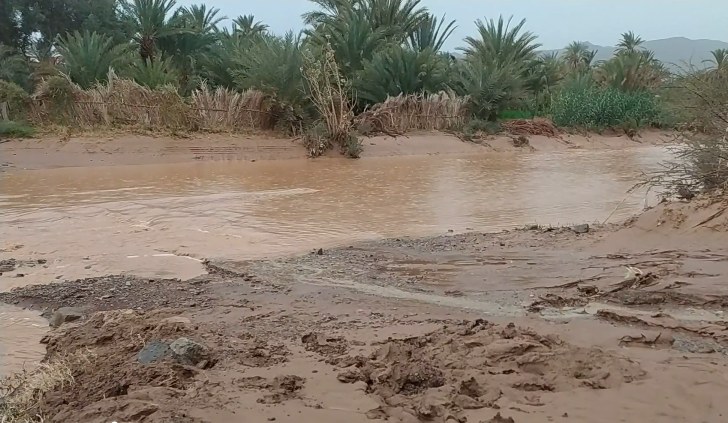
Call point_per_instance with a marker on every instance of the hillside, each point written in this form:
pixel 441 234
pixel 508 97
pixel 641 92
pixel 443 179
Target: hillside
pixel 674 51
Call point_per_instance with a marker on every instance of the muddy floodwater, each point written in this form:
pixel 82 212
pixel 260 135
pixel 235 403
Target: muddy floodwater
pixel 162 220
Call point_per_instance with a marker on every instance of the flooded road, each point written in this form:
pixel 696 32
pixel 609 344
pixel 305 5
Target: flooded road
pixel 161 220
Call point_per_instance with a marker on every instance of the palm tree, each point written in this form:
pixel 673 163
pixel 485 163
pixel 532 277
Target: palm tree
pixel 578 57
pixel 431 34
pixel 352 37
pixel 151 22
pixel 12 65
pixel 489 87
pixel 88 56
pixel 589 58
pixel 405 15
pixel 248 27
pixel 328 9
pixel 196 33
pixel 401 70
pixel 402 17
pixel 630 72
pixel 543 74
pixel 629 43
pixel 153 74
pixel 547 72
pixel 273 65
pixel 720 58
pixel 500 44
pixel 200 19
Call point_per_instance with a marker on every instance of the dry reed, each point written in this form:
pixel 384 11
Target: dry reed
pixel 21 393
pixel 222 109
pixel 124 103
pixel 538 126
pixel 400 114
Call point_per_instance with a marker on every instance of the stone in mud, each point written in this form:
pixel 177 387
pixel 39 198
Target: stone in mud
pixel 581 229
pixel 500 419
pixel 154 351
pixel 65 315
pixel 188 351
pixel 7 265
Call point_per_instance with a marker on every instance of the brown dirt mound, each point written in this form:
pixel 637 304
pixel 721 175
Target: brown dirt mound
pixel 473 365
pixel 684 217
pixel 324 345
pixel 109 384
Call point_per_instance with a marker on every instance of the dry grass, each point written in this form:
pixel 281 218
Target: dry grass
pixel 538 126
pixel 222 110
pixel 397 115
pixel 21 393
pixel 122 103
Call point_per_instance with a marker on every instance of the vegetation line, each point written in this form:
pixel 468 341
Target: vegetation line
pixel 94 64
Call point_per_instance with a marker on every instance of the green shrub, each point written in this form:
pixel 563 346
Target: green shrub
pixel 604 108
pixel 12 129
pixel 515 114
pixel 15 98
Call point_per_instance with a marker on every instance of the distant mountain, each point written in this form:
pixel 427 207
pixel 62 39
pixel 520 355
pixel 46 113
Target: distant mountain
pixel 674 52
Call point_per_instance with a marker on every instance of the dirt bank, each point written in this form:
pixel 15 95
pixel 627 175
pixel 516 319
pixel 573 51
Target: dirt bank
pixel 111 150
pixel 588 324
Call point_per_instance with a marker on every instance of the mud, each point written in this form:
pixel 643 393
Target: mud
pixel 111 293
pixel 112 149
pixel 470 366
pixel 621 323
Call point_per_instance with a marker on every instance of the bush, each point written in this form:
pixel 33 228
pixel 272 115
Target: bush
pixel 700 163
pixel 12 129
pixel 316 139
pixel 604 108
pixel 15 101
pixel 515 114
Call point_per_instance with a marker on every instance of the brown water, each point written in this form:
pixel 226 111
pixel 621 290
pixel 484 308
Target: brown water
pixel 160 220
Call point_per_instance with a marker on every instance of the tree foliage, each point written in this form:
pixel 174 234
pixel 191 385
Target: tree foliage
pixel 381 47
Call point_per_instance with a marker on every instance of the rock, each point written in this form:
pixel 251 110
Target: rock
pixel 65 315
pixel 581 229
pixel 500 419
pixel 154 351
pixel 8 265
pixel 188 351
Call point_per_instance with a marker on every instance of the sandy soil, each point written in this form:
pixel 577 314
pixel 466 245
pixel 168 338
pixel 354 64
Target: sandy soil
pixel 531 325
pixel 109 150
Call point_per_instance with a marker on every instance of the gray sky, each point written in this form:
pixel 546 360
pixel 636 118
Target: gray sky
pixel 556 22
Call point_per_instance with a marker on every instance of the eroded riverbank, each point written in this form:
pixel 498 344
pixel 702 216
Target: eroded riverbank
pixel 533 324
pixel 125 149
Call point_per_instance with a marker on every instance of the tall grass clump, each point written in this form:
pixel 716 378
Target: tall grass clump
pixel 329 92
pixel 597 109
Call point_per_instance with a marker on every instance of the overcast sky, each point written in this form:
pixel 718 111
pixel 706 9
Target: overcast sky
pixel 556 22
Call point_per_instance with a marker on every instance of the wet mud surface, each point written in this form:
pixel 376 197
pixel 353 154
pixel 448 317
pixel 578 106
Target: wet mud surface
pixel 530 325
